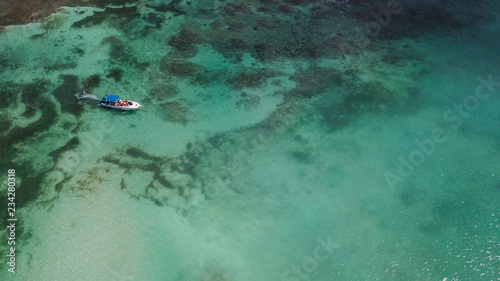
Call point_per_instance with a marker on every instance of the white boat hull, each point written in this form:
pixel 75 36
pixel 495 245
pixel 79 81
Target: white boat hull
pixel 133 106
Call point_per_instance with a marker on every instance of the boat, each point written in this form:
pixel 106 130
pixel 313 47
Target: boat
pixel 117 103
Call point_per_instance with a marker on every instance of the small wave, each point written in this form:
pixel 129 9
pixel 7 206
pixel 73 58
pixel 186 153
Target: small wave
pixel 85 95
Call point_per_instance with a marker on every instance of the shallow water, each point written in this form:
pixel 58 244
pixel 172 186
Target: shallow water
pixel 276 142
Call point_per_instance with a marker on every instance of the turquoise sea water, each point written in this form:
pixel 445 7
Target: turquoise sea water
pixel 278 140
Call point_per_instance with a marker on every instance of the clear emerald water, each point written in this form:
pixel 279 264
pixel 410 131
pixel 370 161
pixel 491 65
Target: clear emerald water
pixel 265 148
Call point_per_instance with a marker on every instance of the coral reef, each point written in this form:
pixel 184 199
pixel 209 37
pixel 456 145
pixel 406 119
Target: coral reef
pixel 251 78
pixel 115 16
pixel 184 40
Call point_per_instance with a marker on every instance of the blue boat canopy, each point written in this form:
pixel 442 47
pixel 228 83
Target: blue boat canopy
pixel 113 98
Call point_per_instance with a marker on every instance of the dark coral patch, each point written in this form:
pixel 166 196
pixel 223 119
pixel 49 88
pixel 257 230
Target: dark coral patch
pixel 184 44
pixel 264 51
pixel 78 51
pixel 265 24
pixel 137 153
pixel 184 40
pixel 117 47
pixel 126 19
pixel 250 79
pixel 8 95
pixel 116 74
pixel 154 19
pixel 233 9
pixel 170 7
pixel 117 162
pixel 153 165
pixel 236 26
pixel 294 2
pixel 238 43
pixel 5 125
pixel 92 82
pixel 65 95
pixel 301 157
pixel 60 66
pixel 28 190
pixel 71 144
pixel 286 9
pixel 7 62
pixel 314 29
pixel 116 16
pixel 31 93
pixel 34 94
pixel 344 95
pixel 269 37
pixel 30 96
